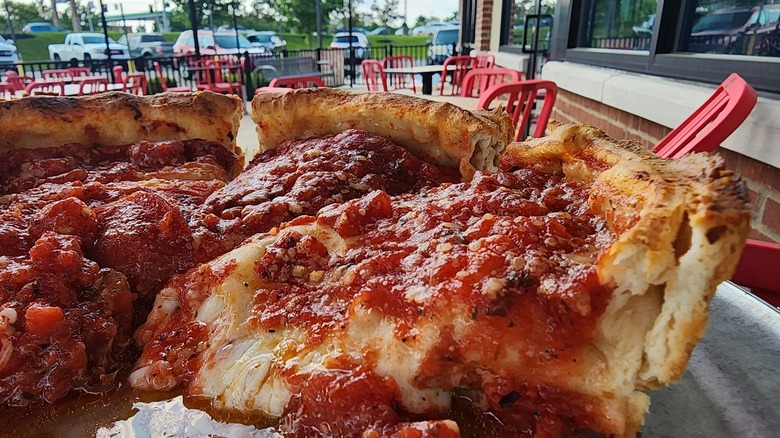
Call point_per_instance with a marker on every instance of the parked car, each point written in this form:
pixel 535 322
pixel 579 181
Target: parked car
pixel 8 52
pixel 381 30
pixel 442 44
pixel 269 40
pixel 147 45
pixel 719 31
pixel 359 43
pixel 85 46
pixel 763 37
pixel 645 29
pixel 214 43
pixel 40 27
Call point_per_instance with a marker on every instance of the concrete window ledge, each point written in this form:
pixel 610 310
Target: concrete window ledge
pixel 668 102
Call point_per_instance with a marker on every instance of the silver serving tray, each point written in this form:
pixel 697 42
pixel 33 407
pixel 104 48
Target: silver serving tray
pixel 732 385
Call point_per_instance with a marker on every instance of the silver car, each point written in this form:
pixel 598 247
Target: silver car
pixel 8 52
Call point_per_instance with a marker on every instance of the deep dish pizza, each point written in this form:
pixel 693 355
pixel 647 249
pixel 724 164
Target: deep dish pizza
pixel 381 259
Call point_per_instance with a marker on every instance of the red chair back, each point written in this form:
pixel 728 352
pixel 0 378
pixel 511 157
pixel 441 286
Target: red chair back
pixel 759 269
pixel 520 103
pixel 299 82
pixel 456 67
pixel 135 83
pixel 60 74
pixel 93 86
pixel 374 75
pixel 77 72
pixel 478 80
pixel 485 60
pixel 54 88
pixel 158 69
pixel 400 82
pixel 119 74
pixel 712 122
pixel 6 90
pixel 18 83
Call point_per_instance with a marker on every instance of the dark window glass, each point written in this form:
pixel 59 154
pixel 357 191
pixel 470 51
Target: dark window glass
pixel 152 39
pixel 345 39
pixel 446 36
pixel 734 27
pixel 624 25
pixel 525 8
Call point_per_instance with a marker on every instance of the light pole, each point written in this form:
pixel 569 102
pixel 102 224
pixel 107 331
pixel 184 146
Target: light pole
pixel 194 26
pixel 318 13
pixel 105 34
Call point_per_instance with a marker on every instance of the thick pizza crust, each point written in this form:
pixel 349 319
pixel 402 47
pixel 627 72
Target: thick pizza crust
pixel 439 133
pixel 119 118
pixel 682 225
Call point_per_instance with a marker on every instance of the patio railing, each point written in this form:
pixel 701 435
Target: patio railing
pixel 176 71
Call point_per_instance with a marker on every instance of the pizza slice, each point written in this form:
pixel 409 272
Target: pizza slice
pixel 96 195
pixel 104 198
pixel 551 294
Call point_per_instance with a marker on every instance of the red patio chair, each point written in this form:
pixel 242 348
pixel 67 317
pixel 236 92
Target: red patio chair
pixel 134 83
pixel 478 80
pixel 520 103
pixel 50 88
pixel 18 83
pixel 57 75
pixel 399 82
pixel 119 74
pixel 163 83
pixel 93 85
pixel 374 75
pixel 210 76
pixel 298 82
pixel 485 60
pixel 460 66
pixel 712 122
pixel 6 90
pixel 758 270
pixel 79 72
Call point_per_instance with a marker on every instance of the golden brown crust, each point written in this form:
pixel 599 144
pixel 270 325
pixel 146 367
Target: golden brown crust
pixel 119 118
pixel 437 132
pixel 681 225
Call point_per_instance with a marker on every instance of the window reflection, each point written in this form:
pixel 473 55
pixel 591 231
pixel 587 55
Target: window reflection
pixel 616 24
pixel 735 27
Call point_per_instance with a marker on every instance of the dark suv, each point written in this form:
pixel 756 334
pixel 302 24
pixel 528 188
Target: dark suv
pixel 738 30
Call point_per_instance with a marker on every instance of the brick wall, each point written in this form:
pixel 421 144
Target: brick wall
pixel 763 180
pixel 484 24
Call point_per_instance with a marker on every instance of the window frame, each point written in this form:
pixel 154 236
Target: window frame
pixel 673 19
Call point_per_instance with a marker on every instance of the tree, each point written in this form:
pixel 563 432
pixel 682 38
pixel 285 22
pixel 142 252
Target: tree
pixel 422 20
pixel 74 16
pixel 21 14
pixel 386 13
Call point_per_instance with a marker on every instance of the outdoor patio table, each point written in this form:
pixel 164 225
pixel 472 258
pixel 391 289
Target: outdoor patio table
pixel 426 71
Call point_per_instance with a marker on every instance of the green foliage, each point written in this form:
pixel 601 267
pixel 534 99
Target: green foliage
pixel 387 13
pixel 21 14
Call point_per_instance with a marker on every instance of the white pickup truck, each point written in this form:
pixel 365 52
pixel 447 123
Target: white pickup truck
pixel 86 47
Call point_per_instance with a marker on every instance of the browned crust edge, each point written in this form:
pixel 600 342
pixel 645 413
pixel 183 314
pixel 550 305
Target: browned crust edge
pixel 119 118
pixel 437 132
pixel 681 224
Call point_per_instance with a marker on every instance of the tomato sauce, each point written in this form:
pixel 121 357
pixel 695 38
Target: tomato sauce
pixel 87 236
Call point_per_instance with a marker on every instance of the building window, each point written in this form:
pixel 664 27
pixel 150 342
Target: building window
pixel 703 41
pixel 623 25
pixel 734 28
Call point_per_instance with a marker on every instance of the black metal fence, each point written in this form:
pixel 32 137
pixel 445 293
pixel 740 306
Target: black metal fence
pixel 255 70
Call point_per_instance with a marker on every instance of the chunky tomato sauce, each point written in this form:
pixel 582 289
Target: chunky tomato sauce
pixel 89 235
pixel 86 234
pixel 300 177
pixel 516 251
